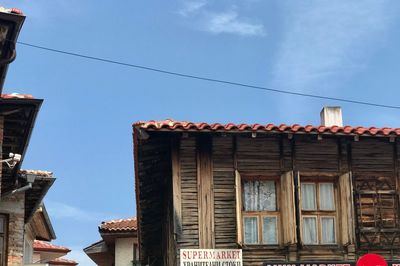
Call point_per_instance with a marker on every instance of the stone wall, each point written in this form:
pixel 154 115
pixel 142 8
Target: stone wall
pixel 14 207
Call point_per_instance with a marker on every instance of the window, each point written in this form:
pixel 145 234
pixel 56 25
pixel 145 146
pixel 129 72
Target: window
pixel 3 239
pixel 260 211
pixel 377 212
pixel 318 212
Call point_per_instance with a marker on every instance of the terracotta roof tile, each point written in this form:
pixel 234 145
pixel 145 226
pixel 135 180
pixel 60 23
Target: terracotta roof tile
pixel 47 246
pixel 16 96
pixel 62 261
pixel 36 172
pixel 171 125
pixel 11 10
pixel 120 225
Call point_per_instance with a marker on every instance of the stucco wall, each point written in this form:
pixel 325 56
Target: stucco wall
pixel 124 251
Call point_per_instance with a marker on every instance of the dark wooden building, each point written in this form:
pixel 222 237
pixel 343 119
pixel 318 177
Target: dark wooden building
pixel 280 193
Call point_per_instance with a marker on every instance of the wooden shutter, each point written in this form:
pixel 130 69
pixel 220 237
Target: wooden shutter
pixel 346 203
pixel 288 210
pixel 238 187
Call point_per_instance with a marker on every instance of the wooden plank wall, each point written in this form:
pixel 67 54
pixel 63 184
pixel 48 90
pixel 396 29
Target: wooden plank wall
pixel 258 155
pixel 188 171
pixel 205 192
pixel 224 192
pixel 372 156
pixel 152 192
pixel 271 155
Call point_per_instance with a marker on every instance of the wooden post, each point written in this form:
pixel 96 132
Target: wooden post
pixel 238 188
pixel 205 192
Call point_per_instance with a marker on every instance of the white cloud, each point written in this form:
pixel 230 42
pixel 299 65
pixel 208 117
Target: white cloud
pixel 324 44
pixel 191 7
pixel 229 22
pixel 61 211
pixel 326 39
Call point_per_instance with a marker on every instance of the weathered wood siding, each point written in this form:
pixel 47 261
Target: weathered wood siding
pixel 259 155
pixel 152 193
pixel 190 219
pixel 224 192
pixel 210 179
pixel 372 156
pixel 313 155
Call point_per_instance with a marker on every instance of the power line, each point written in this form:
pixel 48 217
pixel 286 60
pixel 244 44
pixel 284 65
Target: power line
pixel 104 60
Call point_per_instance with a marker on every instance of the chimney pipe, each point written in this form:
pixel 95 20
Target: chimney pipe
pixel 331 116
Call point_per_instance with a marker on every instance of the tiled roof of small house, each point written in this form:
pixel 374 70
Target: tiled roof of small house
pixel 47 246
pixel 172 125
pixel 119 225
pixel 62 261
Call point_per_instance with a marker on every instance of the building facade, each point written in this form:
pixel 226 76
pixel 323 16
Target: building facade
pixel 278 193
pixel 119 244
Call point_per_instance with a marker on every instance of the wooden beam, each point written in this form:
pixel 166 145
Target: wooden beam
pixel 176 187
pixel 205 192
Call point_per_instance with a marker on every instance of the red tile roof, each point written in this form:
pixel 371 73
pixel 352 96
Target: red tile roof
pixel 47 246
pixel 120 225
pixel 36 172
pixel 61 261
pixel 11 10
pixel 171 125
pixel 16 96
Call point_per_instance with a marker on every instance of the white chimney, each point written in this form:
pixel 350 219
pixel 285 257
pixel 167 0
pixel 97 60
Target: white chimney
pixel 331 116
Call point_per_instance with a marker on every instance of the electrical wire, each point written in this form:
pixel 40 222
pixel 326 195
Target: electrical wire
pixel 227 82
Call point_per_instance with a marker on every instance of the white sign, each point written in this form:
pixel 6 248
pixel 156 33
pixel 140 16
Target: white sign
pixel 211 257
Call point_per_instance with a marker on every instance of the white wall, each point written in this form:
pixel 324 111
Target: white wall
pixel 124 251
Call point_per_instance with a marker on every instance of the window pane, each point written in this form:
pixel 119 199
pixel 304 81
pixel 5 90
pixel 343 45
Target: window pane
pixel 328 230
pixel 326 197
pixel 259 196
pixel 310 230
pixel 308 197
pixel 250 230
pixel 270 230
pixel 267 196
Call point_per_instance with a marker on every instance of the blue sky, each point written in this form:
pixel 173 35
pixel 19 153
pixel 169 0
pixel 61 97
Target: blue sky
pixel 345 49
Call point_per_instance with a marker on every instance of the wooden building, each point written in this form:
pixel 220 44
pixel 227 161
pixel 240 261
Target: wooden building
pixel 279 193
